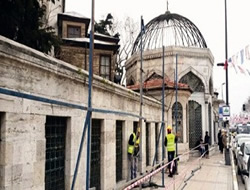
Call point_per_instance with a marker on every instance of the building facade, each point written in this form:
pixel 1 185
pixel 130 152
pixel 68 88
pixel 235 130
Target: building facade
pixel 185 51
pixel 73 30
pixel 40 133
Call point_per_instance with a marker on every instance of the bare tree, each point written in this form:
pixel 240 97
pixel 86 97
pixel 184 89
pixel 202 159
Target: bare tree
pixel 128 30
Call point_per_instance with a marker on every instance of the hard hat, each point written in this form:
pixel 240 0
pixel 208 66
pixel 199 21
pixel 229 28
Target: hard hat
pixel 169 128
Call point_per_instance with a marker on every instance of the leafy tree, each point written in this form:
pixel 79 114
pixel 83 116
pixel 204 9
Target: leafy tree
pixel 22 21
pixel 106 26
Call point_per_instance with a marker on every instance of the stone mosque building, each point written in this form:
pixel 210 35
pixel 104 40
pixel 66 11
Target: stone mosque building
pixel 185 45
pixel 43 103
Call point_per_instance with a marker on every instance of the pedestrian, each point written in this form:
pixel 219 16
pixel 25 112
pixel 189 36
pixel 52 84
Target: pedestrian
pixel 220 144
pixel 207 142
pixel 133 153
pixel 224 139
pixel 200 146
pixel 170 143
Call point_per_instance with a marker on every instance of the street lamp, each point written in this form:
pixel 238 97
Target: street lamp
pixel 226 54
pixel 227 153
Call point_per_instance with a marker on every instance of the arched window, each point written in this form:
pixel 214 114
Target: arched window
pixel 194 82
pixel 179 115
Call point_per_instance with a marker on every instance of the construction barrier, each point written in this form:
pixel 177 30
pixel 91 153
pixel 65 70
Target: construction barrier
pixel 146 177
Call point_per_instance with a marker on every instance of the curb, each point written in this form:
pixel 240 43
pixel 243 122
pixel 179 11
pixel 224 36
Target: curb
pixel 234 181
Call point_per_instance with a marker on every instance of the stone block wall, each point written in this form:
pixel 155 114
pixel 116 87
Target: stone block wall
pixel 22 151
pixel 23 143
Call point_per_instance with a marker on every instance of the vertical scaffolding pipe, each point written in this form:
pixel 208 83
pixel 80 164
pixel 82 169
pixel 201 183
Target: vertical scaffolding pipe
pixel 90 96
pixel 176 106
pixel 87 123
pixel 141 103
pixel 163 110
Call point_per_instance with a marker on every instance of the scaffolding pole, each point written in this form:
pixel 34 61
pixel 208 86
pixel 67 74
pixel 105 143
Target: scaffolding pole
pixel 88 120
pixel 88 163
pixel 163 110
pixel 141 103
pixel 176 106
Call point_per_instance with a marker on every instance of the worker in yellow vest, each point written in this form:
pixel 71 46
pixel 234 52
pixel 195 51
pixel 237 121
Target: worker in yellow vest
pixel 133 153
pixel 170 143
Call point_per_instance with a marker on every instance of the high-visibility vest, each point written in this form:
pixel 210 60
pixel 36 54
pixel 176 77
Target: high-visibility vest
pixel 136 143
pixel 171 142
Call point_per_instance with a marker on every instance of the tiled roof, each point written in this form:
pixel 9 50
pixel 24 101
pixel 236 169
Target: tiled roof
pixel 157 83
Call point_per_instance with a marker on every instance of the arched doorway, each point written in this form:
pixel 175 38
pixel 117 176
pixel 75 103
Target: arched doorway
pixel 179 120
pixel 195 122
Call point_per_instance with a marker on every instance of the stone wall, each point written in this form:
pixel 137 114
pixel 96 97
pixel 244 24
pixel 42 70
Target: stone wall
pixel 22 126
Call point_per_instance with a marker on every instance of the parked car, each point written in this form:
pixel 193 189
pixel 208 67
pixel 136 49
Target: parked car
pixel 239 143
pixel 243 128
pixel 235 142
pixel 243 157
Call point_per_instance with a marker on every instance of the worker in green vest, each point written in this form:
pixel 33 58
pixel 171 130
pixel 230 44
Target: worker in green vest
pixel 170 143
pixel 133 153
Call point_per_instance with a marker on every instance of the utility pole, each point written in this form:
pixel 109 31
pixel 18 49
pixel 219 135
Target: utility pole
pixel 226 123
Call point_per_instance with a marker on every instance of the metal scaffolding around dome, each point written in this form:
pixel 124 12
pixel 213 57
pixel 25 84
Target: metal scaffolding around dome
pixel 169 29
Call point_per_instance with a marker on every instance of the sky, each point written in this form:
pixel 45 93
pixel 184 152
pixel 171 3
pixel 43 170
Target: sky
pixel 208 16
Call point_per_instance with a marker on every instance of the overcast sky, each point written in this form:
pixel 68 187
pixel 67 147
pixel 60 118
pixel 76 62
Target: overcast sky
pixel 207 15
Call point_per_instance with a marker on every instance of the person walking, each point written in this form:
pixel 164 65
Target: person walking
pixel 133 153
pixel 224 139
pixel 200 146
pixel 170 143
pixel 207 142
pixel 220 144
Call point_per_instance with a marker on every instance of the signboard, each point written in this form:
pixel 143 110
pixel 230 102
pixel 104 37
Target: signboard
pixel 226 111
pixel 220 112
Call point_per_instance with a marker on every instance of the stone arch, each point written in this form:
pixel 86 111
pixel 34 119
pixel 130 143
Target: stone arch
pixel 131 81
pixel 194 82
pixel 195 72
pixel 195 122
pixel 179 120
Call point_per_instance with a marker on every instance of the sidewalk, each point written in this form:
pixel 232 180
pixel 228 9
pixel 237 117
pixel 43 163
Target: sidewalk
pixel 213 175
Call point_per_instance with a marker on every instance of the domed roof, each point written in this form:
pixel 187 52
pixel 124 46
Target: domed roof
pixel 169 29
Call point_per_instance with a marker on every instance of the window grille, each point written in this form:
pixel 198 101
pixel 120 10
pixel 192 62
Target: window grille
pixel 195 122
pixel 156 136
pixel 105 67
pixel 55 134
pixel 95 171
pixel 210 122
pixel 179 120
pixel 119 165
pixel 147 144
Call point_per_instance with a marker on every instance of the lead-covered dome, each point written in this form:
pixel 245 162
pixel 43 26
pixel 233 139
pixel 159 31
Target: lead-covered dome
pixel 169 29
